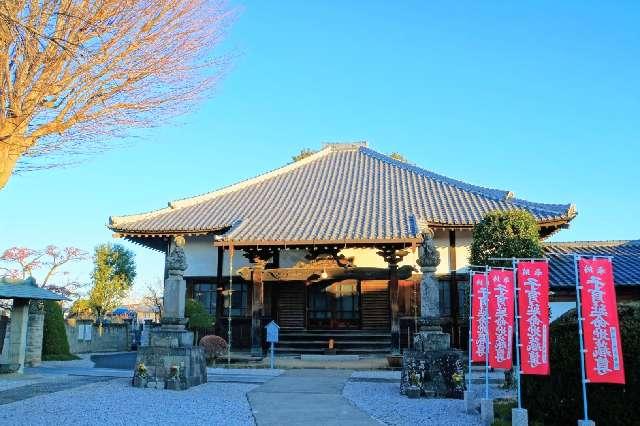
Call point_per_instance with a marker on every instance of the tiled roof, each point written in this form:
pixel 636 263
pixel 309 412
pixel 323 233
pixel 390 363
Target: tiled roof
pixel 25 289
pixel 345 192
pixel 626 260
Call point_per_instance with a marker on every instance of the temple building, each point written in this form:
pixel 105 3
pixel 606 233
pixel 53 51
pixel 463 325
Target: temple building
pixel 327 247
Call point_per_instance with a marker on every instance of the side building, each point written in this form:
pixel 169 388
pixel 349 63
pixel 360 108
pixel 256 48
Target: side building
pixel 327 247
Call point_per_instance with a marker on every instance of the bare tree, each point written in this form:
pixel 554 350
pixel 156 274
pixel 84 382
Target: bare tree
pixel 74 74
pixel 153 298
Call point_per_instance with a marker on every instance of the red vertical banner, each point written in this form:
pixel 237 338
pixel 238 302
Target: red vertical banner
pixel 533 307
pixel 480 317
pixel 601 330
pixel 501 307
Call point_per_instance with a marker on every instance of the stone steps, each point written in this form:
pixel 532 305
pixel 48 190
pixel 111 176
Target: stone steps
pixel 346 342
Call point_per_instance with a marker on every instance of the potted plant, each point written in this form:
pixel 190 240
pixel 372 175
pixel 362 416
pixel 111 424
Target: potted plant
pixel 414 390
pixel 140 376
pixel 173 380
pixel 330 350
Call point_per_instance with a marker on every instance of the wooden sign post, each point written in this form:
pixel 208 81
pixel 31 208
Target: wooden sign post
pixel 272 337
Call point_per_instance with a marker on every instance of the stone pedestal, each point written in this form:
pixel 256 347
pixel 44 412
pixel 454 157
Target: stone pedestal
pixel 469 402
pixel 431 338
pixel 159 361
pixel 18 336
pixel 429 293
pixel 519 417
pixel 486 411
pixel 439 374
pixel 433 365
pixel 171 360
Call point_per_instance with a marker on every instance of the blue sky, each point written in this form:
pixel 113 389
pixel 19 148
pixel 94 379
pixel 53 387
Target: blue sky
pixel 539 98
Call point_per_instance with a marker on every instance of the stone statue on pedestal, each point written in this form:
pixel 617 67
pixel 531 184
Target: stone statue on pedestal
pixel 432 367
pixel 171 361
pixel 429 287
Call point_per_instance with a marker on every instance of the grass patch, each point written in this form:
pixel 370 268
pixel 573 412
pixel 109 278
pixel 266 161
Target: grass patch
pixel 502 411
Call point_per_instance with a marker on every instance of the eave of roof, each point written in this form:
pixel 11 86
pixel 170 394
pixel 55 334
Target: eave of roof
pixel 25 289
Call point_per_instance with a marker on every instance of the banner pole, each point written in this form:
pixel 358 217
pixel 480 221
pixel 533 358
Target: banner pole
pixel 514 263
pixel 487 351
pixel 486 404
pixel 581 338
pixel 229 331
pixel 470 323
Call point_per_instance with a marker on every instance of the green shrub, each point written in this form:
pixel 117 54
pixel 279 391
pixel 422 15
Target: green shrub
pixel 502 412
pixel 200 321
pixel 557 399
pixel 55 346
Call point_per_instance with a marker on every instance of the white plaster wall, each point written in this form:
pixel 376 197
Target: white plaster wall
pixel 441 240
pixel 201 257
pixel 463 249
pixel 369 257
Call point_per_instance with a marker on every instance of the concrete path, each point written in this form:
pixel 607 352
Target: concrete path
pixel 306 397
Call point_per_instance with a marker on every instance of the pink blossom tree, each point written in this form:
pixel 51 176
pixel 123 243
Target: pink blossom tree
pixel 22 262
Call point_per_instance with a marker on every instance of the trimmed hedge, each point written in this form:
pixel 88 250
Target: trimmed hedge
pixel 55 346
pixel 557 399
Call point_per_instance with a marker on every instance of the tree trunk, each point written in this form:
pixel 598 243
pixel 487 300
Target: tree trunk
pixel 11 148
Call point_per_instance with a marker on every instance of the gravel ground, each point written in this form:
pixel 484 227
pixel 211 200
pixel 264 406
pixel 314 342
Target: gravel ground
pixel 117 403
pixel 384 402
pixel 84 361
pixel 6 383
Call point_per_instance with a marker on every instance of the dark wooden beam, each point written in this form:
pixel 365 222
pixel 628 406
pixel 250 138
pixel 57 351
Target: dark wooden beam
pixel 315 274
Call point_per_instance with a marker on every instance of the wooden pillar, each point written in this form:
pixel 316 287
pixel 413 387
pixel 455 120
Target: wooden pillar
pixel 258 257
pixel 453 289
pixel 257 305
pixel 393 256
pixel 393 302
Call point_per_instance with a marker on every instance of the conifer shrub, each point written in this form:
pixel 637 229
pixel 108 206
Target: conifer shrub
pixel 55 346
pixel 557 399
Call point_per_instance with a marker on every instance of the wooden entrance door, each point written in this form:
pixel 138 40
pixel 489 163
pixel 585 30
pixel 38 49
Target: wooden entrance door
pixel 335 306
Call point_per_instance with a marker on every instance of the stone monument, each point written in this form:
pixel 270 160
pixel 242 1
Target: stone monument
pixel 432 367
pixel 171 361
pixel 35 329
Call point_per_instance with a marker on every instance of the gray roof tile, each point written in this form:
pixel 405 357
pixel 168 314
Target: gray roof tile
pixel 626 260
pixel 344 192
